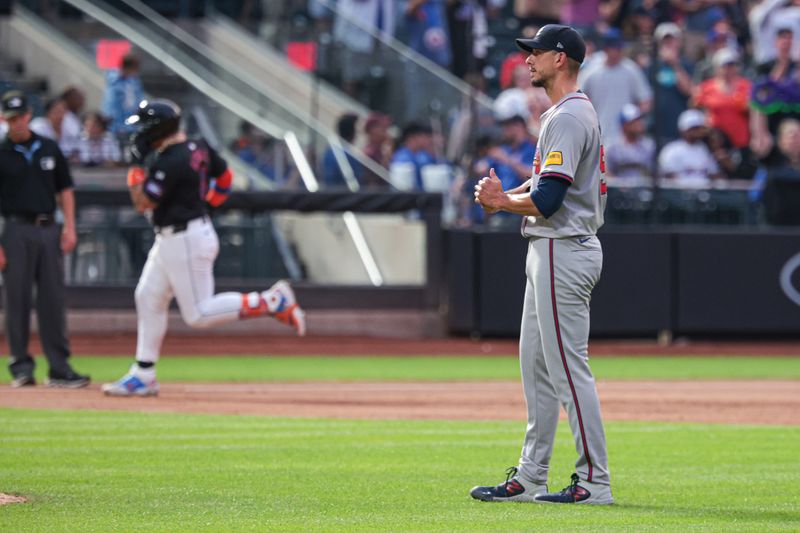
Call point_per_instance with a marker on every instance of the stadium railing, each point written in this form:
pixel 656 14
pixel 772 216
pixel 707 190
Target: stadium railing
pixel 220 79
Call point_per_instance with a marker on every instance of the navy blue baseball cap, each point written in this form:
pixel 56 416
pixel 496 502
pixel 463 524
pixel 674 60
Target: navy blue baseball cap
pixel 559 38
pixel 613 38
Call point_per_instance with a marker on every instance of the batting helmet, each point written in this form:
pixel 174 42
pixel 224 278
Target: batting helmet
pixel 156 119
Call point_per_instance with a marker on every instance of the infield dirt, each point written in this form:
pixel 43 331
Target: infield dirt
pixel 6 499
pixel 747 402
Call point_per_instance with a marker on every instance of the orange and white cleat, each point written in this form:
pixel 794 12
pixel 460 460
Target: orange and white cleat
pixel 283 306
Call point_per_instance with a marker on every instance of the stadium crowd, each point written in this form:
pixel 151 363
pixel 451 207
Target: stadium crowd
pixel 692 93
pixel 696 94
pixel 94 137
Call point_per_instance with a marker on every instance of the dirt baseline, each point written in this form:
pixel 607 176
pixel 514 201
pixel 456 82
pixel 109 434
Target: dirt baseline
pixel 748 402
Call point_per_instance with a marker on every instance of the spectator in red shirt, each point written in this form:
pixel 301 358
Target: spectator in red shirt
pixel 510 63
pixel 378 146
pixel 726 97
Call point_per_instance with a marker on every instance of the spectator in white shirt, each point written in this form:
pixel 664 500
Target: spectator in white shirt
pixel 74 101
pixel 49 125
pixel 97 146
pixel 633 155
pixel 766 18
pixel 687 162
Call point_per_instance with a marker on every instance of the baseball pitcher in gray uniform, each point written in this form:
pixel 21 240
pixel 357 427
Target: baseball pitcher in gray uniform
pixel 562 205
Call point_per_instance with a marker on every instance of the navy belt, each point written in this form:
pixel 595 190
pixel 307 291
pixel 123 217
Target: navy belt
pixel 177 227
pixel 173 229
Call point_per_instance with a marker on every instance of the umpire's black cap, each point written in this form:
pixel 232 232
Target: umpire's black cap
pixel 559 38
pixel 13 104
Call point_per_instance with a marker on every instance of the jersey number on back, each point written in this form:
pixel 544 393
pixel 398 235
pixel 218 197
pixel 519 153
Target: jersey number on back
pixel 199 162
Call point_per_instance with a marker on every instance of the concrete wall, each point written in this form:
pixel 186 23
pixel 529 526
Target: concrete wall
pixel 47 53
pixel 406 323
pixel 326 249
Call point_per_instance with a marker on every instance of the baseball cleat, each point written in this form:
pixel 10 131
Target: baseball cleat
pixel 132 384
pixel 284 307
pixel 23 380
pixel 514 489
pixel 579 492
pixel 73 380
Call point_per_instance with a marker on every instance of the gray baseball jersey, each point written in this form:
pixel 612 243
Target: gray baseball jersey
pixel 569 148
pixel 564 264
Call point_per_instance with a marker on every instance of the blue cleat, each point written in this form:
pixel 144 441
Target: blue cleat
pixel 131 384
pixel 514 489
pixel 579 492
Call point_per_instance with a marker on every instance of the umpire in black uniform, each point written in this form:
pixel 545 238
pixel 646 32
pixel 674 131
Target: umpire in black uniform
pixel 34 175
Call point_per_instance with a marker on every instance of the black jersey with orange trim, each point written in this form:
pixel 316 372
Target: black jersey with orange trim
pixel 178 181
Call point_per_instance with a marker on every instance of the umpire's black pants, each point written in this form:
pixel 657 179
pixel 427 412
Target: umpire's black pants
pixel 33 256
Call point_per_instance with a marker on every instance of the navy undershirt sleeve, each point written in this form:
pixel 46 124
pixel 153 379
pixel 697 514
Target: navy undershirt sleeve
pixel 549 195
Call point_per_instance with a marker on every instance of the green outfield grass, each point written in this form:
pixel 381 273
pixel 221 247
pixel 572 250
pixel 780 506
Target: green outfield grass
pixel 100 471
pixel 264 368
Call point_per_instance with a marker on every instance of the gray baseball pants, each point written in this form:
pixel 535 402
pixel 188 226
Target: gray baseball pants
pixel 561 274
pixel 34 257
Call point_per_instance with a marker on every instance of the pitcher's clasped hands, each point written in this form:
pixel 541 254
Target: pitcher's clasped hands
pixel 488 192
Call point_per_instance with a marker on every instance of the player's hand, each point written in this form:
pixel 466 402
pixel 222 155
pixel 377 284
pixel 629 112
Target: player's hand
pixel 68 240
pixel 489 193
pixel 2 259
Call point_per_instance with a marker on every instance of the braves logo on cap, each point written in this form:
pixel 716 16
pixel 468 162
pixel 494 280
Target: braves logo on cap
pixel 556 37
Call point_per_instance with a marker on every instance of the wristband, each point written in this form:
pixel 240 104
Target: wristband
pixel 136 176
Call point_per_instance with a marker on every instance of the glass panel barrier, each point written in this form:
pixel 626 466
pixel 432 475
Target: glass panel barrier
pixel 113 244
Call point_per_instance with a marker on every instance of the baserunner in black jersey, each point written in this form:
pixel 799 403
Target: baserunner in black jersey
pixel 181 178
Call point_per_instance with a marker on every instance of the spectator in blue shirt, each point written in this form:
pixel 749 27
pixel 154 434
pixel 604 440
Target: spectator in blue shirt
pixel 123 93
pixel 426 30
pixel 673 82
pixel 332 175
pixel 257 150
pixel 512 160
pixel 472 213
pixel 415 151
pixel 243 145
